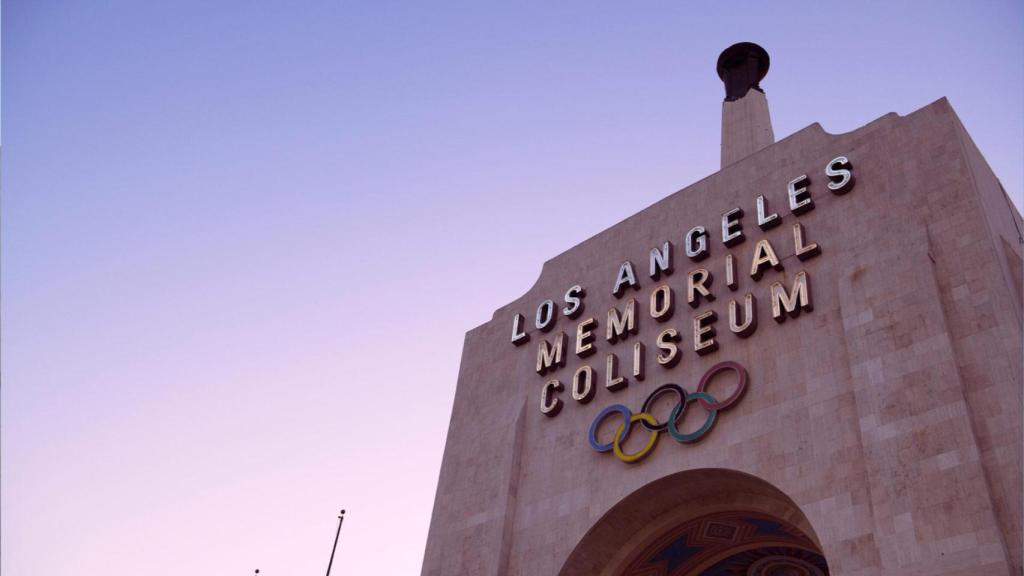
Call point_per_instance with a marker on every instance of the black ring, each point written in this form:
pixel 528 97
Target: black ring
pixel 654 395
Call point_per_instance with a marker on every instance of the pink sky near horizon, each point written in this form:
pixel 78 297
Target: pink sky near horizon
pixel 242 242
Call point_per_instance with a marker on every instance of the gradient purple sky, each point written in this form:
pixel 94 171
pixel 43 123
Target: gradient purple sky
pixel 242 241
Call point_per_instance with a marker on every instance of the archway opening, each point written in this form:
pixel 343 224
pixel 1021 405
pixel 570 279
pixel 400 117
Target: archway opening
pixel 707 522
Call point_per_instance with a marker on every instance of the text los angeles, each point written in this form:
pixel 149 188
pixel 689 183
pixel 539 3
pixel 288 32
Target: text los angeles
pixel 621 321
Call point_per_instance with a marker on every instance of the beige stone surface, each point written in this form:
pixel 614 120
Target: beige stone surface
pixel 746 127
pixel 889 416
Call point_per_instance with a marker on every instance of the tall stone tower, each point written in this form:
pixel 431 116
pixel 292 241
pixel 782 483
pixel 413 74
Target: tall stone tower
pixel 746 124
pixel 807 363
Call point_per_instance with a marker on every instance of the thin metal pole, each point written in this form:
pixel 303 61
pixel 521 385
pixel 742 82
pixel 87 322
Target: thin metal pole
pixel 341 518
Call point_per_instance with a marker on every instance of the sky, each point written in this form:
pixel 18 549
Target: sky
pixel 242 242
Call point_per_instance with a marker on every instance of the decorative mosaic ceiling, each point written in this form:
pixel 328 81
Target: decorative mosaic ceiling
pixel 731 544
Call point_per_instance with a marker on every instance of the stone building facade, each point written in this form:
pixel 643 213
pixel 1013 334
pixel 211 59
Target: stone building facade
pixel 808 362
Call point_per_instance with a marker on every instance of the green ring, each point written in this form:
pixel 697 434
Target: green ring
pixel 678 411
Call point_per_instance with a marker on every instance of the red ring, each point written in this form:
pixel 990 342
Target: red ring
pixel 740 388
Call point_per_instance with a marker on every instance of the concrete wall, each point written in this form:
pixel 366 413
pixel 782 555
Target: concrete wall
pixel 890 414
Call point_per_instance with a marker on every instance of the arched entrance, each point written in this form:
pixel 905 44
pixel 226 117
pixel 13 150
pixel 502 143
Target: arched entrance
pixel 707 522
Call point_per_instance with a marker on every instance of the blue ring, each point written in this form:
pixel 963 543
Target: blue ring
pixel 597 421
pixel 681 407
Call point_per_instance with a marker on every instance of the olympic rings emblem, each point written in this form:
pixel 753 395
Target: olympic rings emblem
pixel 709 403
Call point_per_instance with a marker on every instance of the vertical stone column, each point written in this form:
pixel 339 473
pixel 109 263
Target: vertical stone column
pixel 746 124
pixel 931 503
pixel 746 127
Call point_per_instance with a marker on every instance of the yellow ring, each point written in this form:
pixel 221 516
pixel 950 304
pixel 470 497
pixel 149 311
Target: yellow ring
pixel 617 448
